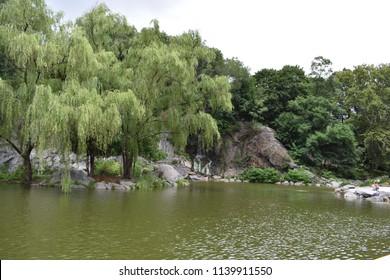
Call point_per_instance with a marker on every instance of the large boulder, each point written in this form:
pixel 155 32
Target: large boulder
pixel 9 159
pixel 102 186
pixel 167 172
pixel 249 146
pixel 351 195
pixel 76 175
pixel 49 159
pixel 366 192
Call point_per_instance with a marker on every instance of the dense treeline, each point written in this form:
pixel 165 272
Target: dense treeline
pixel 98 82
pixel 335 121
pixel 99 86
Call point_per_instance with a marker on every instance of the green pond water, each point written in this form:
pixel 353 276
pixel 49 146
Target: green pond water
pixel 205 221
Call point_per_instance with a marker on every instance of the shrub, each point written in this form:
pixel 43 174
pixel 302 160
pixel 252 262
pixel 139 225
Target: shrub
pixel 108 168
pixel 296 175
pixel 328 174
pixel 159 183
pixel 261 175
pixel 17 175
pixel 147 181
pixel 141 169
pixel 183 183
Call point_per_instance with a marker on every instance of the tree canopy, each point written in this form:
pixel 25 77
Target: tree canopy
pixel 365 93
pixel 78 88
pixel 28 59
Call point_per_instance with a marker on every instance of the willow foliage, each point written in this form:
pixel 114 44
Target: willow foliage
pixel 25 28
pixel 79 88
pixel 172 96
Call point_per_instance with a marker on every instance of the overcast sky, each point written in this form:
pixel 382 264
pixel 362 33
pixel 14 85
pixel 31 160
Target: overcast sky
pixel 266 33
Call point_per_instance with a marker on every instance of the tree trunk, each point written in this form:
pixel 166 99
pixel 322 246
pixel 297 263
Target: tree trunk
pixel 90 158
pixel 27 169
pixel 87 163
pixel 27 165
pixel 25 155
pixel 128 161
pixel 127 165
pixel 92 163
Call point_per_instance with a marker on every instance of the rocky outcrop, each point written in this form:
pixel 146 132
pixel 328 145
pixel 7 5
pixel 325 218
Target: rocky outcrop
pixel 249 146
pixel 9 159
pixel 49 159
pixel 167 172
pixel 79 177
pixel 352 192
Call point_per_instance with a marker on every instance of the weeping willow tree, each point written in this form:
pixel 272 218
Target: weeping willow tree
pixel 107 31
pixel 78 118
pixel 167 95
pixel 77 89
pixel 26 30
pixel 153 83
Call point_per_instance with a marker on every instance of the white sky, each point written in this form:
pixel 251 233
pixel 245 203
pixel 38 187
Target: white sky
pixel 266 33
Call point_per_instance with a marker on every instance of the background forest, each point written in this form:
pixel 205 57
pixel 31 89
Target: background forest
pixel 98 86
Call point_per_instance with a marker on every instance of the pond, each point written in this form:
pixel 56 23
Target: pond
pixel 204 221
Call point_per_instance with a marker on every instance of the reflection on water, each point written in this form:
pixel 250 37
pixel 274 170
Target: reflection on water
pixel 206 221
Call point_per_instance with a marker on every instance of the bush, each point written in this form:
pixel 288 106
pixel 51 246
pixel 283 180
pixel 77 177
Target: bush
pixel 261 175
pixel 108 168
pixel 296 175
pixel 17 175
pixel 141 169
pixel 328 174
pixel 147 181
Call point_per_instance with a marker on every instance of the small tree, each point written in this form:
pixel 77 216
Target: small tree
pixel 334 149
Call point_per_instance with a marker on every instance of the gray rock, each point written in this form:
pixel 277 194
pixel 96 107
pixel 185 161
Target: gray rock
pixel 312 177
pixel 10 159
pixel 366 192
pixel 348 192
pixel 248 146
pixel 384 191
pixel 335 184
pixel 118 187
pixel 166 146
pixel 345 189
pixel 349 187
pixel 202 179
pixel 78 176
pixel 182 169
pixel 126 183
pixel 78 187
pixel 167 172
pixel 102 186
pixel 350 195
pixel 230 172
pixel 376 199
